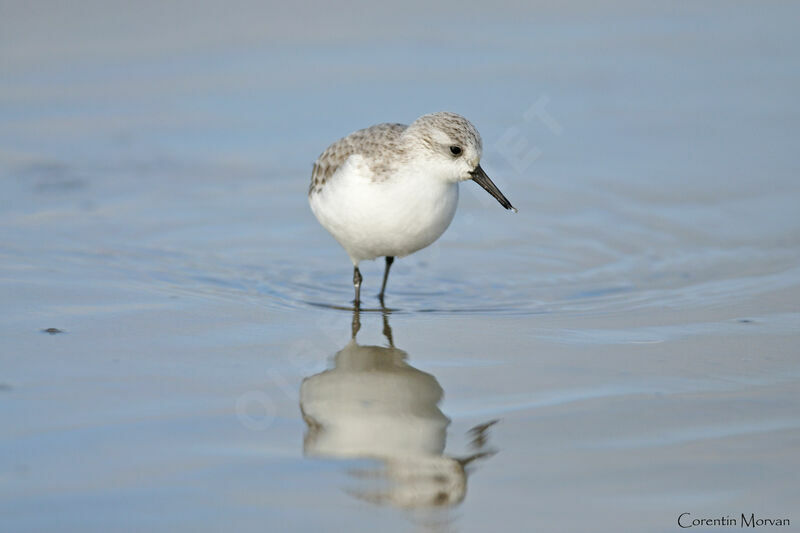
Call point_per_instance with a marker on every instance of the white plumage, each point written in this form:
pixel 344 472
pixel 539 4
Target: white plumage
pixel 391 189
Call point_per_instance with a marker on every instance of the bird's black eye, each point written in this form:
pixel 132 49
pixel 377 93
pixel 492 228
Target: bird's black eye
pixel 455 150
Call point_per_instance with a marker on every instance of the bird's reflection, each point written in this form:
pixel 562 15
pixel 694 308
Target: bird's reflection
pixel 372 404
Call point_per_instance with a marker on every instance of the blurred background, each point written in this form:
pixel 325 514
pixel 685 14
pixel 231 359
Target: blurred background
pixel 633 330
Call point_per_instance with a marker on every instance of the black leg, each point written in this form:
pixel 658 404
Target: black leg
pixel 387 329
pixel 356 321
pixel 357 284
pixel 389 261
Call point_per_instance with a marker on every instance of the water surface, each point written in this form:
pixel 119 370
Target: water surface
pixel 622 350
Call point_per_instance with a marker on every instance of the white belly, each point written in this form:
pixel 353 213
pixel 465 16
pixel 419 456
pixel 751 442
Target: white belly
pixel 396 217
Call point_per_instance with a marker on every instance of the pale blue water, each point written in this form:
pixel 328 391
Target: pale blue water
pixel 634 328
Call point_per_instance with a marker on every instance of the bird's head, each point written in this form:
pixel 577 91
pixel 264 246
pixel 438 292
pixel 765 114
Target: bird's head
pixel 450 148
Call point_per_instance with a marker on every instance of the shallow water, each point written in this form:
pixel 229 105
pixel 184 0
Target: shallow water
pixel 621 351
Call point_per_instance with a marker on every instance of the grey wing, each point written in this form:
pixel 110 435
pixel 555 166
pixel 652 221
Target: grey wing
pixel 368 142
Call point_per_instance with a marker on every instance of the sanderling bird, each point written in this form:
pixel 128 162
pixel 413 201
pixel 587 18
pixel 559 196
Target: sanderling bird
pixel 392 189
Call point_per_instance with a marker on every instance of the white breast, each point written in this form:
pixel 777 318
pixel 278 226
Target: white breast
pixel 393 217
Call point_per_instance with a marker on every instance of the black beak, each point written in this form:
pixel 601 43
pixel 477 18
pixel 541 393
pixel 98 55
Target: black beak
pixel 480 177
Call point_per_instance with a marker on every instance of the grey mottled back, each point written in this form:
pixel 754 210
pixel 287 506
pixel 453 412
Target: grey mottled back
pixel 369 142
